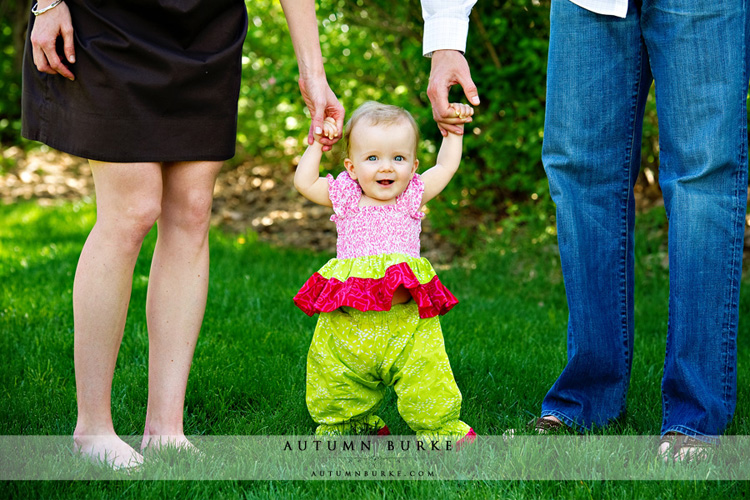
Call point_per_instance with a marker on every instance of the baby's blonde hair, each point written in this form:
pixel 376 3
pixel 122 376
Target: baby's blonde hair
pixel 376 113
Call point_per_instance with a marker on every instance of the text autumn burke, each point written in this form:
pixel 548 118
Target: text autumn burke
pixel 368 445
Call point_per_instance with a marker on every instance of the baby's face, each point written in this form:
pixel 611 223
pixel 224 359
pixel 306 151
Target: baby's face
pixel 382 159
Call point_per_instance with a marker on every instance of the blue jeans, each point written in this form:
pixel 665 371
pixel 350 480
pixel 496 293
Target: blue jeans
pixel 600 71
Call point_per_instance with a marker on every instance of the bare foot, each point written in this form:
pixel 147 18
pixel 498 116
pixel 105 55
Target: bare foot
pixel 158 442
pixel 690 454
pixel 108 449
pixel 665 447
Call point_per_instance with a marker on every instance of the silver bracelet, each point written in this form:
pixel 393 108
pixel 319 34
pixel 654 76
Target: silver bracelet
pixel 49 7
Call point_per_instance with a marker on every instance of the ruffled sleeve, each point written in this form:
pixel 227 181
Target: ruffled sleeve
pixel 410 201
pixel 344 193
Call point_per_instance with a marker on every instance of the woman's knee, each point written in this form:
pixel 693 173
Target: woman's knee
pixel 190 212
pixel 134 222
pixel 128 200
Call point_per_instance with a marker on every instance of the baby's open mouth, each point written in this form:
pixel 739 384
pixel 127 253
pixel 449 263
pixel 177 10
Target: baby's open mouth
pixel 385 182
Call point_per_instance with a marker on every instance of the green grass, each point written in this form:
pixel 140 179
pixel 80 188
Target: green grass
pixel 506 342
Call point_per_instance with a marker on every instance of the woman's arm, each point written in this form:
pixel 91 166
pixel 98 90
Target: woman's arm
pixel 318 96
pixel 449 157
pixel 47 27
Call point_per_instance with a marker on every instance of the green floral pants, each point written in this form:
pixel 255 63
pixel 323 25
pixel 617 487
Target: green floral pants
pixel 355 355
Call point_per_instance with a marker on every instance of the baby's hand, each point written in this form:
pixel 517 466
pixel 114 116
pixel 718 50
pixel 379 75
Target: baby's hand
pixel 329 129
pixel 462 111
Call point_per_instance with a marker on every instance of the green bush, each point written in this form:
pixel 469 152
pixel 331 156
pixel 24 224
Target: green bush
pixel 372 50
pixel 13 14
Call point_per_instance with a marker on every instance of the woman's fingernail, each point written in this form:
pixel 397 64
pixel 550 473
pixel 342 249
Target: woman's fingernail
pixel 318 130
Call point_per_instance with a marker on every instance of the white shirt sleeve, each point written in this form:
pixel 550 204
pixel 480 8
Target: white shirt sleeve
pixel 446 24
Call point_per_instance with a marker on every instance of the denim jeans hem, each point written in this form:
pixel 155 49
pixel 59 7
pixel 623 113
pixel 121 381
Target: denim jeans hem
pixel 692 433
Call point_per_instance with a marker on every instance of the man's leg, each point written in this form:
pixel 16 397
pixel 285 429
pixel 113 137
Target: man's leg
pixel 597 83
pixel 699 59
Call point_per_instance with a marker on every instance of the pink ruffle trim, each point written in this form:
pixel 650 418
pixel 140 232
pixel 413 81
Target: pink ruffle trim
pixel 319 294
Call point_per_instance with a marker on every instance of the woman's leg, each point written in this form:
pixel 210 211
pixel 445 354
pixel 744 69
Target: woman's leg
pixel 128 203
pixel 177 294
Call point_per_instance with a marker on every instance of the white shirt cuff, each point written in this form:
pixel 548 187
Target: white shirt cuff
pixel 444 33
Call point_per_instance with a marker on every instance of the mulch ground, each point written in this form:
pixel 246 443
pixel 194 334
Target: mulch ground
pixel 251 196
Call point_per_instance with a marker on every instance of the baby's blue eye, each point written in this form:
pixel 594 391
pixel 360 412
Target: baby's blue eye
pixel 399 158
pixel 372 158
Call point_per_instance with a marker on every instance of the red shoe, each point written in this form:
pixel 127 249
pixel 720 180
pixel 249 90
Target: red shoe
pixel 384 431
pixel 467 439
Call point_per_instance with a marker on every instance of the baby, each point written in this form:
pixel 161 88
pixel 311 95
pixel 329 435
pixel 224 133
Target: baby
pixel 379 301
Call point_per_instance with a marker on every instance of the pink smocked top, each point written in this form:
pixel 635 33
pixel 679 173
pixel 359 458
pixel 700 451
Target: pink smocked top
pixel 375 230
pixel 377 254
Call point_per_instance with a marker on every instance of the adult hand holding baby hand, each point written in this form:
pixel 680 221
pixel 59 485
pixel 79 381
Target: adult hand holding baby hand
pixel 323 104
pixel 462 113
pixel 449 67
pixel 329 131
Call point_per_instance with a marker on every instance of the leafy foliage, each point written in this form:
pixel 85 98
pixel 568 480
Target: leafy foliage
pixel 13 15
pixel 372 50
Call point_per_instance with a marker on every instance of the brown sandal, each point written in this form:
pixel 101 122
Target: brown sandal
pixel 684 448
pixel 544 425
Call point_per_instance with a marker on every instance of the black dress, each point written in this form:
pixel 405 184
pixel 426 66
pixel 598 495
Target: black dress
pixel 156 80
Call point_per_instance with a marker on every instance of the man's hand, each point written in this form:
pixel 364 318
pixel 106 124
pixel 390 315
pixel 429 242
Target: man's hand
pixel 449 67
pixel 463 112
pixel 47 27
pixel 322 103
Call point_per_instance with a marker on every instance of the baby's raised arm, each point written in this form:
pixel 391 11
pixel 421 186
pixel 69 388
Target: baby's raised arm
pixel 449 157
pixel 307 179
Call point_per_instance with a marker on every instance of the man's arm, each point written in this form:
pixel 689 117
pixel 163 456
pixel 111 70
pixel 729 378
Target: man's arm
pixel 445 30
pixel 446 24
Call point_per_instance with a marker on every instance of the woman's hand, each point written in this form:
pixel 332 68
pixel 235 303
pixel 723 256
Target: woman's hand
pixel 47 27
pixel 320 99
pixel 323 104
pixel 330 131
